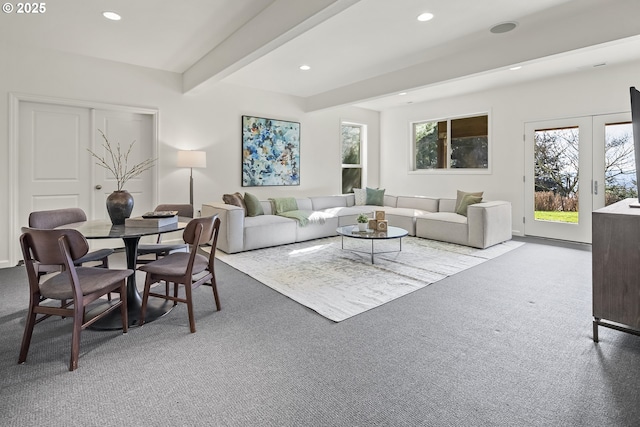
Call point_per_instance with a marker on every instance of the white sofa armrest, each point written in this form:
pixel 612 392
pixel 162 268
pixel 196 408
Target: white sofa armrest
pixel 489 223
pixel 230 238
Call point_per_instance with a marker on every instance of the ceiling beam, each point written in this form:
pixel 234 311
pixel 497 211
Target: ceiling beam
pixel 536 37
pixel 278 23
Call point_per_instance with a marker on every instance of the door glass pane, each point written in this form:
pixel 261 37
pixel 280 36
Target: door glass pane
pixel 556 174
pixel 620 165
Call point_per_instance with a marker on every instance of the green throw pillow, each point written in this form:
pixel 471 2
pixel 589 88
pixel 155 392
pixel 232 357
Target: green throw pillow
pixel 461 195
pixel 375 196
pixel 467 201
pixel 254 208
pixel 284 204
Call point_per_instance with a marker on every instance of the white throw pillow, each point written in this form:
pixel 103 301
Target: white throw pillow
pixel 361 196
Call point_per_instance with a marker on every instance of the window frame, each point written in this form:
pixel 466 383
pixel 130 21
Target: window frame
pixel 449 170
pixel 363 152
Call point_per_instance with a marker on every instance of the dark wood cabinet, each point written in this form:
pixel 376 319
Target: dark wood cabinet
pixel 616 268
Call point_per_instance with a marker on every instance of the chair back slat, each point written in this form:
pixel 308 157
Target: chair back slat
pixel 45 248
pixel 55 218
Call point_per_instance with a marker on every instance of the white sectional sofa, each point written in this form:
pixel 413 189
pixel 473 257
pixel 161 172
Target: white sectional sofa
pixel 486 223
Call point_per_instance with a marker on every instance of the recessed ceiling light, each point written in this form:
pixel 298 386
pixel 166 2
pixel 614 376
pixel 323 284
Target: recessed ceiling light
pixel 505 27
pixel 402 93
pixel 305 67
pixel 425 17
pixel 112 16
pixel 517 67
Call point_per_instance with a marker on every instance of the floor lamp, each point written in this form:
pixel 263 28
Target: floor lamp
pixel 192 159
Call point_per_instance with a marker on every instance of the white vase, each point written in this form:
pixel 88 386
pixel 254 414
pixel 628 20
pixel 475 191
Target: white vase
pixel 362 226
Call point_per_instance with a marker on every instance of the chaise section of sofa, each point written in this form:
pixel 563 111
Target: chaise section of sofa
pixel 486 224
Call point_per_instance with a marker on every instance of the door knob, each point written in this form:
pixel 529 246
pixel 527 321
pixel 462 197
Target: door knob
pixel 98 187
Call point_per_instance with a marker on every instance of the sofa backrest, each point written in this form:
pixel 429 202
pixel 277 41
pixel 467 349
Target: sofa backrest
pixel 351 199
pixel 304 204
pixel 422 203
pixel 324 202
pixel 266 207
pixel 447 205
pixel 391 201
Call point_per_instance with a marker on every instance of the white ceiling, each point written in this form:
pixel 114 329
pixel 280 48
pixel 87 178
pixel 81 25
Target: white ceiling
pixel 362 52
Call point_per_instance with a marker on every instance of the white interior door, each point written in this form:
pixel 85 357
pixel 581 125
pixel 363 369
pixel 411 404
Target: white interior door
pixel 52 158
pixel 558 179
pixel 124 128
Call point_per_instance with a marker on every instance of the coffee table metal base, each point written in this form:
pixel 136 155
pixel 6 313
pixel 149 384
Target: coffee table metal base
pixel 372 252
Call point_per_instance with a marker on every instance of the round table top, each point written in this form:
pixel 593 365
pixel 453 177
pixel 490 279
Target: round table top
pixel 103 229
pixel 390 233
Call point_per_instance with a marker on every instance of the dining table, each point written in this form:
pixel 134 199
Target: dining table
pixel 130 235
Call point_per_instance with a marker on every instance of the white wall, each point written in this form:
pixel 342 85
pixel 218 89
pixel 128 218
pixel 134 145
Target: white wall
pixel 209 121
pixel 598 91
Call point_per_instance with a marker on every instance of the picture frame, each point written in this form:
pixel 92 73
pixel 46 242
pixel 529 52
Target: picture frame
pixel 270 152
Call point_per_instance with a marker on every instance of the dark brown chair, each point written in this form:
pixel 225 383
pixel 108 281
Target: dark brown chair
pixel 78 285
pixel 160 249
pixel 189 269
pixel 50 219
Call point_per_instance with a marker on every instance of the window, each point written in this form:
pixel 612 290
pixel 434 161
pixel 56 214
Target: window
pixel 353 139
pixel 461 143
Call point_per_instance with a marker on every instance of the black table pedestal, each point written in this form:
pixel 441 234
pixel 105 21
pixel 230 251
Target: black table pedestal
pixel 155 308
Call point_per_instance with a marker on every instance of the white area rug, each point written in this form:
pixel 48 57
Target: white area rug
pixel 339 283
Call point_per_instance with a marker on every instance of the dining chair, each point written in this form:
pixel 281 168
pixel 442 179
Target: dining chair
pixel 160 249
pixel 54 218
pixel 189 269
pixel 80 286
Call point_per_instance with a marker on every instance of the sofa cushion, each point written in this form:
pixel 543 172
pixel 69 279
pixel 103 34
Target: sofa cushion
pixel 447 205
pixel 443 226
pixel 254 208
pixel 375 196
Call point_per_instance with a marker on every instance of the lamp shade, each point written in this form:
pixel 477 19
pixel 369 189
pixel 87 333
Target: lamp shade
pixel 192 159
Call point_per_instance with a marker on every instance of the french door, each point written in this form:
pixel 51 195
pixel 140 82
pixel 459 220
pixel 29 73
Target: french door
pixel 574 166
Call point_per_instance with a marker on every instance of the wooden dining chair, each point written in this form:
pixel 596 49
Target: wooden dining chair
pixel 159 249
pixel 80 286
pixel 189 269
pixel 54 218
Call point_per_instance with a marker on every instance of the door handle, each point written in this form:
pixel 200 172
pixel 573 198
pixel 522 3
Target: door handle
pixel 98 187
pixel 595 187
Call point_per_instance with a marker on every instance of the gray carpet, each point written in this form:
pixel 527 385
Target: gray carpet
pixel 506 343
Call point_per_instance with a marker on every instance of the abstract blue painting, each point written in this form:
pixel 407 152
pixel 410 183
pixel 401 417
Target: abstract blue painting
pixel 270 152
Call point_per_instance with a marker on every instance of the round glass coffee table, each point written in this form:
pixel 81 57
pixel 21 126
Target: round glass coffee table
pixel 351 231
